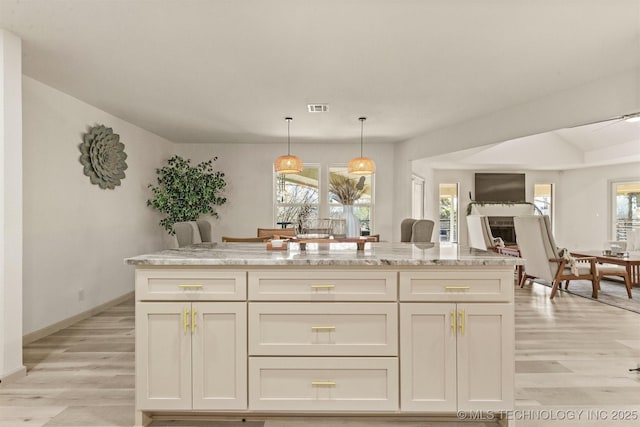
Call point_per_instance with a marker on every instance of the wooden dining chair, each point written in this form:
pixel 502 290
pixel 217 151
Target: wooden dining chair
pixel 228 239
pixel 270 232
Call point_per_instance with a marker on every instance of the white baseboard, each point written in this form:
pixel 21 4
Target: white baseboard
pixel 19 373
pixel 41 333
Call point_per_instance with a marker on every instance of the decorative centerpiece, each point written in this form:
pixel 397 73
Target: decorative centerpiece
pixel 346 191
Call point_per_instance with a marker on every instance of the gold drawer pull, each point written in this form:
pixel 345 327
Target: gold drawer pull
pixel 457 288
pixel 187 286
pixel 323 383
pixel 323 328
pixel 323 286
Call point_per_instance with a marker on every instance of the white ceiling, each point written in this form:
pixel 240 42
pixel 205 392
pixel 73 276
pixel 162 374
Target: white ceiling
pixel 605 143
pixel 229 71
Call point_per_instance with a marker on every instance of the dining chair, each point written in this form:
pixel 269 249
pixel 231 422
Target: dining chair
pixel 228 239
pixel 270 232
pixel 406 229
pixel 192 232
pixel 187 233
pixel 543 260
pixel 422 230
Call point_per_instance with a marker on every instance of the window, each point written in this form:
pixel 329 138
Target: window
pixel 297 196
pixel 307 196
pixel 362 185
pixel 448 212
pixel 626 208
pixel 543 198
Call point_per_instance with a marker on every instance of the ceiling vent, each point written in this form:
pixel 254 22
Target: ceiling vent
pixel 318 108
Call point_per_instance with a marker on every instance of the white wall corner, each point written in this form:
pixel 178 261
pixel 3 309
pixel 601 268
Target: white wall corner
pixel 10 206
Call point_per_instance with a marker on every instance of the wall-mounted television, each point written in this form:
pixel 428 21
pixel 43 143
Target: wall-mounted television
pixel 499 187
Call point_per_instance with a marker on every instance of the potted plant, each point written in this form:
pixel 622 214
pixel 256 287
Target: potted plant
pixel 184 192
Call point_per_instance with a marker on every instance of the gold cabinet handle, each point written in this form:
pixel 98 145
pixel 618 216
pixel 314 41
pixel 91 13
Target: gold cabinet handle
pixel 190 286
pixel 323 286
pixel 323 328
pixel 323 383
pixel 457 288
pixel 193 321
pixel 185 322
pixel 461 322
pixel 454 322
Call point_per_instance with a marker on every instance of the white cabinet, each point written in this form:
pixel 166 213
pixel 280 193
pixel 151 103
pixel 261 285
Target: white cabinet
pixel 420 340
pixel 191 355
pixel 456 356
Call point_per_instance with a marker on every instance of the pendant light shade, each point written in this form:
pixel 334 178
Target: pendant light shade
pixel 361 165
pixel 288 164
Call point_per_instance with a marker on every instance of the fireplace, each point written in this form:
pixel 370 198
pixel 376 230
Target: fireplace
pixel 501 215
pixel 502 226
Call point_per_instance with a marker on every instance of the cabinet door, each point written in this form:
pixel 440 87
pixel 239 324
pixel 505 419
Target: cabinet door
pixel 163 356
pixel 485 356
pixel 428 357
pixel 219 355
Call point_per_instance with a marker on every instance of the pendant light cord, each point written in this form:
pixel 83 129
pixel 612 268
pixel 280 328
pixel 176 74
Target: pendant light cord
pixel 288 119
pixel 362 119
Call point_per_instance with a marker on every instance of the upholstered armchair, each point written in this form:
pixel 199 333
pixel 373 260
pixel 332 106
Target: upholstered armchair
pixel 191 232
pixel 406 228
pixel 479 232
pixel 542 259
pixel 416 230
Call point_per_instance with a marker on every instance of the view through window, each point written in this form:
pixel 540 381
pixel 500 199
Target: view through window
pixel 297 196
pixel 448 212
pixel 308 196
pixel 341 186
pixel 626 208
pixel 543 198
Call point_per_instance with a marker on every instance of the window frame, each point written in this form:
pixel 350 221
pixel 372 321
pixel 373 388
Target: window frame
pixel 613 207
pixel 324 205
pixel 277 203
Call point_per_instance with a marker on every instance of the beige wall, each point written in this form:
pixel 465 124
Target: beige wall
pixel 76 235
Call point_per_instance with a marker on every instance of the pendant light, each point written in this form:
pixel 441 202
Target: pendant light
pixel 361 165
pixel 288 164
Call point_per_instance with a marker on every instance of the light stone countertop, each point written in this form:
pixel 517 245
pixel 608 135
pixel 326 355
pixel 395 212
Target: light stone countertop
pixel 325 254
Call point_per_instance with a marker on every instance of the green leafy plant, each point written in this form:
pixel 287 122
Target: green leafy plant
pixel 184 192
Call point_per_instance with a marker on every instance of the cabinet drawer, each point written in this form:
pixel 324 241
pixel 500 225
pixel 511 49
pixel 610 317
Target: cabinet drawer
pixel 323 384
pixel 323 329
pixel 190 285
pixel 333 285
pixel 457 285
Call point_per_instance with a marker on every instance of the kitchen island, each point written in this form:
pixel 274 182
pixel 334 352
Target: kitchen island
pixel 397 329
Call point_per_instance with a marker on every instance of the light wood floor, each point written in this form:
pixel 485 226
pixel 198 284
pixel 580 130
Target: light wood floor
pixel 572 355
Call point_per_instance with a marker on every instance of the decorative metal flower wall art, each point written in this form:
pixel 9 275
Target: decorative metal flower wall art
pixel 103 157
